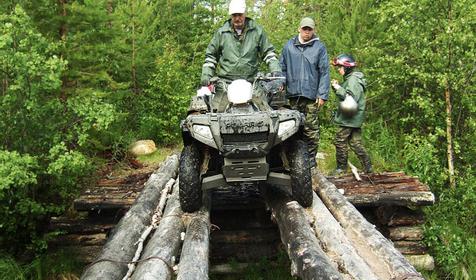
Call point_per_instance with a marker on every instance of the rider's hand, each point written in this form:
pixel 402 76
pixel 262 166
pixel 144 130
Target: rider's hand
pixel 335 84
pixel 205 82
pixel 277 74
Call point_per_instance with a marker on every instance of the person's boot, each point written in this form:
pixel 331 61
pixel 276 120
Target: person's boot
pixel 340 170
pixel 365 160
pixel 368 168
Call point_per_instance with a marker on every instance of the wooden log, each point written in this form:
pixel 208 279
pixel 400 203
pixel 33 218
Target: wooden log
pixel 411 233
pixel 193 263
pixel 96 239
pixel 422 262
pixel 93 203
pixel 81 225
pixel 399 216
pixel 119 249
pixel 330 233
pixel 162 249
pixel 308 261
pixel 411 247
pixel 363 234
pixel 401 198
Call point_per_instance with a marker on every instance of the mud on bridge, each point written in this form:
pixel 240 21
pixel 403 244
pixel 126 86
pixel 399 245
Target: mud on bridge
pixel 155 239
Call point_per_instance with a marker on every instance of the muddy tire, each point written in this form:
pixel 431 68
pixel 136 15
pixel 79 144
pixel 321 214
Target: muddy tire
pixel 300 172
pixel 190 189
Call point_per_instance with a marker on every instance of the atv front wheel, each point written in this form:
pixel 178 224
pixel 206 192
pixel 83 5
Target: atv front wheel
pixel 190 190
pixel 300 172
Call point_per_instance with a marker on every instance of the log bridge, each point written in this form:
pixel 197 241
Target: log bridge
pixel 354 230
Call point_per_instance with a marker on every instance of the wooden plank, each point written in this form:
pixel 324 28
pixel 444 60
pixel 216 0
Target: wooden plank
pixel 362 232
pixel 411 233
pixel 83 225
pixel 400 198
pixel 120 246
pixel 308 261
pixel 97 239
pixel 102 203
pixel 384 189
pixel 411 247
pixel 399 216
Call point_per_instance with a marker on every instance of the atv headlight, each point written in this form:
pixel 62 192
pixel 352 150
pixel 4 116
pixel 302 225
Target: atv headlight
pixel 203 130
pixel 240 92
pixel 285 127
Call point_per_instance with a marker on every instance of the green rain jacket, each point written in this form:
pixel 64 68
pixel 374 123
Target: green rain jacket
pixel 354 84
pixel 232 57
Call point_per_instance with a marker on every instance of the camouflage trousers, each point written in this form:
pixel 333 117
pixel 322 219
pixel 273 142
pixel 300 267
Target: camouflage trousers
pixel 351 136
pixel 311 126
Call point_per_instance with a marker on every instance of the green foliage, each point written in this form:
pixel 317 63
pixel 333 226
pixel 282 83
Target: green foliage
pixel 59 265
pixel 20 210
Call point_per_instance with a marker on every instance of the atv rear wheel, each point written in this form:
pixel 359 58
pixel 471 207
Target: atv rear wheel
pixel 190 191
pixel 300 172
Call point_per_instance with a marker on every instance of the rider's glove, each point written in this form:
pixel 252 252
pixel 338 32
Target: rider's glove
pixel 205 82
pixel 277 74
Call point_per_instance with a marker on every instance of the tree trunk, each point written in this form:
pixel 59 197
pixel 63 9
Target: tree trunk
pixel 363 234
pixel 308 261
pixel 449 138
pixel 329 232
pixel 135 88
pixel 449 111
pixel 120 249
pixel 162 249
pixel 194 257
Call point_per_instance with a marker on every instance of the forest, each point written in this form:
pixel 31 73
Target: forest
pixel 83 79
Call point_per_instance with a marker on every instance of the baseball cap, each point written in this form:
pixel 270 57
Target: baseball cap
pixel 237 7
pixel 307 22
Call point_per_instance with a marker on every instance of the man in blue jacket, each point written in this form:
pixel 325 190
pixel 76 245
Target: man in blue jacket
pixel 305 63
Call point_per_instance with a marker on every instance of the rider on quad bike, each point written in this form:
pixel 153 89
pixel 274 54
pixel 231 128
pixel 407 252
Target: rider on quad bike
pixel 254 140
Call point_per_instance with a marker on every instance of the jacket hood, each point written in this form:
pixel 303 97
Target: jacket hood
pixel 360 76
pixel 310 42
pixel 249 24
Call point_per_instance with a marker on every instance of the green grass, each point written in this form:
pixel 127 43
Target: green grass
pixel 59 265
pixel 159 155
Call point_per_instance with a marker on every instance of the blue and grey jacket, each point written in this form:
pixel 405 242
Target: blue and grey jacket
pixel 306 67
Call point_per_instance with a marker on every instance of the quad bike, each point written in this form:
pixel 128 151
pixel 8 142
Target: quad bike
pixel 247 143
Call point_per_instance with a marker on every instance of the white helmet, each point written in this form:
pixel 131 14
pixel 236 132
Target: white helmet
pixel 240 91
pixel 237 7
